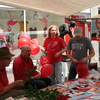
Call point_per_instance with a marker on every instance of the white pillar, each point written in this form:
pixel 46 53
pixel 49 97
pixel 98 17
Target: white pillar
pixel 24 21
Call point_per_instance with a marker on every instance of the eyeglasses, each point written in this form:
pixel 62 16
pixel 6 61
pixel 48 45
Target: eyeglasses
pixel 8 58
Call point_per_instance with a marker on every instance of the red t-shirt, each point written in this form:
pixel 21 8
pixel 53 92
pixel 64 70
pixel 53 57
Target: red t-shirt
pixel 3 79
pixel 53 46
pixel 20 66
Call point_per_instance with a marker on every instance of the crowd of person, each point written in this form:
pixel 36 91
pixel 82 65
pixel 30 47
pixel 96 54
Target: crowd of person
pixel 54 46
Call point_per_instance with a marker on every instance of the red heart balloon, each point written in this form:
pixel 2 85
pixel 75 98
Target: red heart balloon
pixel 82 70
pixel 43 60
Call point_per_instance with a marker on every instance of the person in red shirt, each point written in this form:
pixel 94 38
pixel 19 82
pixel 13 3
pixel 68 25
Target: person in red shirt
pixel 54 47
pixel 6 89
pixel 23 64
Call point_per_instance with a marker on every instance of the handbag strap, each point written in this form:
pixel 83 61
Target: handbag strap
pixel 51 42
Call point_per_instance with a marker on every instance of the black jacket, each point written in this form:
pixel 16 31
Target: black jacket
pixel 93 34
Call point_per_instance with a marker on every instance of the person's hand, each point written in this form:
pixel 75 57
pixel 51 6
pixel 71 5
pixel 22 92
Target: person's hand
pixel 75 60
pixel 38 76
pixel 83 60
pixel 18 83
pixel 57 55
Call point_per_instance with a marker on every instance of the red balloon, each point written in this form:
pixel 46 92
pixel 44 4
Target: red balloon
pixel 23 41
pixel 35 41
pixel 24 35
pixel 46 70
pixel 43 60
pixel 82 70
pixel 35 49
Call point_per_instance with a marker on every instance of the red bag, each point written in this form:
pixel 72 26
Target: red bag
pixel 82 70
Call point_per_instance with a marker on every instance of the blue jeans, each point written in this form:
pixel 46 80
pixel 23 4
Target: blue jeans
pixel 72 72
pixel 1 42
pixel 56 77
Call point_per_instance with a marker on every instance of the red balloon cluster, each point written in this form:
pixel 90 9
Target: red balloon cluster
pixel 24 35
pixel 34 49
pixel 46 70
pixel 82 70
pixel 35 41
pixel 25 39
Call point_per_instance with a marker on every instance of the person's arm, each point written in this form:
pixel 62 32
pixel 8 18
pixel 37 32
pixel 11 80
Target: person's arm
pixel 11 86
pixel 60 52
pixel 70 57
pixel 42 48
pixel 38 76
pixel 91 54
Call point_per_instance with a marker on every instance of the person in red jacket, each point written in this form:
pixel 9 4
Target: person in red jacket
pixel 6 89
pixel 23 64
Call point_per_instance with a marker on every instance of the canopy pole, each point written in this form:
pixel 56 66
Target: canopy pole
pixel 24 21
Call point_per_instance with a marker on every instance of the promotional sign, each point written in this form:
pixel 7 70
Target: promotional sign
pixel 95 30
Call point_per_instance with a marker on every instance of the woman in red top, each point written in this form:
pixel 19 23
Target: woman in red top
pixel 54 47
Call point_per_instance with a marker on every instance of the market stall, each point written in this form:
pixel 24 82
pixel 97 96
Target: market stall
pixel 78 89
